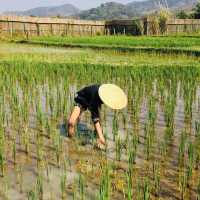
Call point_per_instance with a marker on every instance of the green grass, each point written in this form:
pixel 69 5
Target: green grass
pixel 188 45
pixel 31 53
pixel 126 41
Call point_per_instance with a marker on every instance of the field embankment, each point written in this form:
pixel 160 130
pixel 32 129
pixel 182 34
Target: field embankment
pixel 167 45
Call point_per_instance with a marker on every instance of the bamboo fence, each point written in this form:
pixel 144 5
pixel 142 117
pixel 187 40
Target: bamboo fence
pixel 36 26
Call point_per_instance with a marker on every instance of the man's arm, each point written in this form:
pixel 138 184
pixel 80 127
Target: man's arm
pixel 96 120
pixel 99 131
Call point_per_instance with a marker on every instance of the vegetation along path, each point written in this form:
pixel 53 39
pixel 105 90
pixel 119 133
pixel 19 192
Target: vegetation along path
pixel 189 45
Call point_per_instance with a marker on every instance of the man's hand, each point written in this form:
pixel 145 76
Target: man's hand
pixel 101 145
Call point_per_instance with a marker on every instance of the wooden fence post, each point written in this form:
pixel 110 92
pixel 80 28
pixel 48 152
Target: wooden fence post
pixel 25 31
pixel 65 29
pixel 11 29
pixel 79 29
pixel 8 28
pixel 91 29
pixel 38 29
pixel 72 29
pixel 69 29
pixel 1 27
pixel 114 31
pixel 51 29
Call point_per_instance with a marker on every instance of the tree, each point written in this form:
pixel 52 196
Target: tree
pixel 182 15
pixel 196 13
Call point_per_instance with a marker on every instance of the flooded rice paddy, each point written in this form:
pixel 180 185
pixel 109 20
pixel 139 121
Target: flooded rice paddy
pixel 153 146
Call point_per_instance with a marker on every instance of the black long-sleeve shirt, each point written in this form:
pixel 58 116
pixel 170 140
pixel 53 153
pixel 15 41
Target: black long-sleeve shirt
pixel 88 98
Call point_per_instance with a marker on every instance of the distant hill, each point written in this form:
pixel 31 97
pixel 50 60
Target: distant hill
pixel 63 10
pixel 114 10
pixel 177 4
pixel 148 6
pixel 111 10
pixel 106 11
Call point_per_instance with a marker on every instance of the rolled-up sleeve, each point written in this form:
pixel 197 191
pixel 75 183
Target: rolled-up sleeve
pixel 95 115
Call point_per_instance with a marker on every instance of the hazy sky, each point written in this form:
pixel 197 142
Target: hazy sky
pixel 6 5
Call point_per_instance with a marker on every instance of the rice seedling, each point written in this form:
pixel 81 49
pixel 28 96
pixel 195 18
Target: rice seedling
pixel 74 194
pixel 189 89
pixel 129 192
pixel 148 141
pixel 32 195
pixel 39 187
pixel 51 104
pixel 26 140
pixel 146 189
pixel 139 189
pixel 152 113
pixel 198 190
pixel 197 151
pixel 182 146
pixel 163 150
pixel 169 107
pixel 14 151
pixel 118 150
pixel 190 163
pixel 131 155
pixel 39 149
pixel 115 126
pixel 58 146
pixel 63 181
pixel 136 109
pixel 19 172
pixel 47 169
pixel 156 178
pixel 105 184
pixel 197 128
pixel 40 116
pixel 2 153
pixel 124 121
pixel 183 184
pixel 48 128
pixel 5 187
pixel 81 186
pixel 2 164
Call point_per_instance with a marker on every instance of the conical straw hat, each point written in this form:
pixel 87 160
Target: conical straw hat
pixel 113 96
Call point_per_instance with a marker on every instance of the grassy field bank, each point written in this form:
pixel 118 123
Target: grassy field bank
pixel 187 45
pixel 128 41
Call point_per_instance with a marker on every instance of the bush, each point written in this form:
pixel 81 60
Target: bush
pixel 138 28
pixel 163 16
pixel 159 22
pixel 196 14
pixel 182 15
